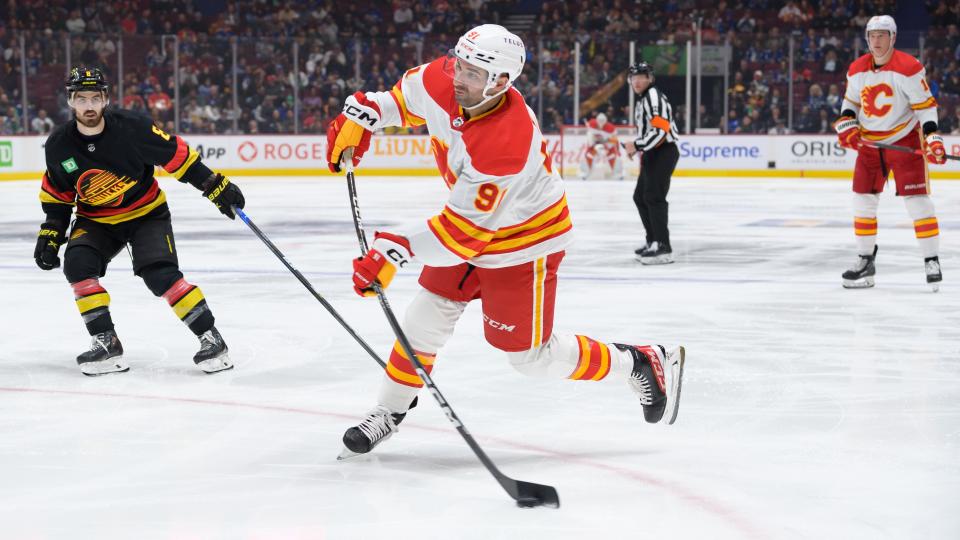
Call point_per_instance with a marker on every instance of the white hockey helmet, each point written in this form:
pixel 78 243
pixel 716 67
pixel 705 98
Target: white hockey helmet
pixel 495 49
pixel 601 119
pixel 881 22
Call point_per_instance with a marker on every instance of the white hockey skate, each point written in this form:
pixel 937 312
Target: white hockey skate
pixel 931 266
pixel 105 356
pixel 379 425
pixel 213 354
pixel 861 275
pixel 657 379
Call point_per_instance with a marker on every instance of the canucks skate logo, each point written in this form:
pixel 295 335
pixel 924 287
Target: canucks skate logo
pixel 869 96
pixel 103 188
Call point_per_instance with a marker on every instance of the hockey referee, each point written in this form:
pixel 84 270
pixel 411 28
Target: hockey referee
pixel 103 163
pixel 657 144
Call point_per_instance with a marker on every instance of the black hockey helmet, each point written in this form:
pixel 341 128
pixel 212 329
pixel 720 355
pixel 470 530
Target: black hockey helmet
pixel 640 68
pixel 86 79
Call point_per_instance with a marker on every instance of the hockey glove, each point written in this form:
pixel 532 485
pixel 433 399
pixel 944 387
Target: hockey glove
pixel 352 128
pixel 387 252
pixel 223 193
pixel 933 150
pixel 49 240
pixel 848 132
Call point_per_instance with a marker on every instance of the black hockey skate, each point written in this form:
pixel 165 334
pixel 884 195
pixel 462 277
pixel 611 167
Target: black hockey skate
pixel 934 275
pixel 212 356
pixel 861 275
pixel 105 355
pixel 641 250
pixel 377 427
pixel 657 379
pixel 656 253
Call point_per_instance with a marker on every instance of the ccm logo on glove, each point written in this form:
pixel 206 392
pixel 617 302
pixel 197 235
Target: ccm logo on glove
pixel 387 253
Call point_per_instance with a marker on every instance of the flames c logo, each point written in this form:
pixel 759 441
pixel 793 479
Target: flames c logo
pixel 103 188
pixel 868 99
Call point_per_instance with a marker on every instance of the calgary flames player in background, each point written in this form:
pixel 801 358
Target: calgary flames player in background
pixel 601 134
pixel 103 163
pixel 499 238
pixel 887 100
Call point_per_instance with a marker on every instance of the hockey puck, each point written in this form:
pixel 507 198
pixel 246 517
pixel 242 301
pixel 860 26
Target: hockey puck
pixel 528 502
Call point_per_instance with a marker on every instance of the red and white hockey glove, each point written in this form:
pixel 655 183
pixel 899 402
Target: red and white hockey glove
pixel 848 132
pixel 386 254
pixel 352 129
pixel 933 150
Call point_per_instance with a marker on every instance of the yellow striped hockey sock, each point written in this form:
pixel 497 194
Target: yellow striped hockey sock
pixel 94 305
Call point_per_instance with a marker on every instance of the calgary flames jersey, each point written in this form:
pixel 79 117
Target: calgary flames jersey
pixel 110 176
pixel 890 100
pixel 597 134
pixel 506 204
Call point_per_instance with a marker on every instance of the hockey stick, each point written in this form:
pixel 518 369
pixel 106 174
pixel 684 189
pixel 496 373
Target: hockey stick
pixel 898 148
pixel 526 494
pixel 256 230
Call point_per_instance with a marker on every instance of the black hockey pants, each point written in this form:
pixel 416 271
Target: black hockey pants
pixel 650 196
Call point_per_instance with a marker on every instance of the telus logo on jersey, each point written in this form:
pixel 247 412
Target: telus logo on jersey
pixel 103 188
pixel 869 96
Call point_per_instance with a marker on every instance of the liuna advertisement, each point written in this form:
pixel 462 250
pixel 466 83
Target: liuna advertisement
pixel 703 155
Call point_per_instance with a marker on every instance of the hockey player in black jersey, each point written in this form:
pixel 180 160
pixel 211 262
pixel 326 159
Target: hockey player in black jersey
pixel 103 163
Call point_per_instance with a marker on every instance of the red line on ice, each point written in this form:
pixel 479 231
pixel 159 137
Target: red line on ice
pixel 707 504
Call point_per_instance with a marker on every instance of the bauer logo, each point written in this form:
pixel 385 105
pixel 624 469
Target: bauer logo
pixel 6 154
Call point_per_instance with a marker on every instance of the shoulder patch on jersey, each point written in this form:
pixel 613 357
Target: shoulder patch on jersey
pixel 904 64
pixel 499 144
pixel 56 134
pixel 864 63
pixel 439 86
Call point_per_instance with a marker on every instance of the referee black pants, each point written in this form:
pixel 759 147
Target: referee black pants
pixel 650 196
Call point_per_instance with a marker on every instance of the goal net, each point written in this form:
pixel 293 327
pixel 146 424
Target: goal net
pixel 574 145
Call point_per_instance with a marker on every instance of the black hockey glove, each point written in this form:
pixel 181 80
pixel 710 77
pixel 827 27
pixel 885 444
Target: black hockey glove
pixel 223 193
pixel 49 240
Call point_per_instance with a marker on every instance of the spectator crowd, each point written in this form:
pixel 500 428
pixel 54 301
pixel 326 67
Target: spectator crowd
pixel 275 66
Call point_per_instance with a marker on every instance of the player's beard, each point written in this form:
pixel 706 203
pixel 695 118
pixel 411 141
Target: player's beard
pixel 90 118
pixel 467 99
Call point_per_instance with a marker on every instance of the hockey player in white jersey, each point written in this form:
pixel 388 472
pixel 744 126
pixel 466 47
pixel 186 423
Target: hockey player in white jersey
pixel 499 238
pixel 888 100
pixel 602 157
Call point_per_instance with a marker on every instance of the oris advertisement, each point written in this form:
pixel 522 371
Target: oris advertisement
pixel 812 152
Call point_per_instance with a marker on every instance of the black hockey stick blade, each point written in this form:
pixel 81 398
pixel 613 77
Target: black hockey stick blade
pixel 530 495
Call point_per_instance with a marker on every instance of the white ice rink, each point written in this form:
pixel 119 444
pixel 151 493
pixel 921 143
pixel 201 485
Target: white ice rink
pixel 808 411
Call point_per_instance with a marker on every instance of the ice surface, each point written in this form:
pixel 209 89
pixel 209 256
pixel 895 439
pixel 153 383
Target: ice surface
pixel 809 411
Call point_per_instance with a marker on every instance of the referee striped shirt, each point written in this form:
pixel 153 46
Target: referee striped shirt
pixel 654 117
